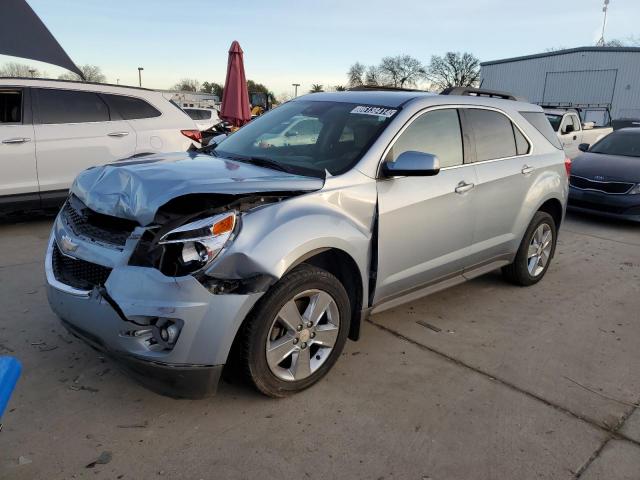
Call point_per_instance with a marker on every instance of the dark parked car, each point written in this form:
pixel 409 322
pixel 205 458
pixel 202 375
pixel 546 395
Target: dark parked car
pixel 605 179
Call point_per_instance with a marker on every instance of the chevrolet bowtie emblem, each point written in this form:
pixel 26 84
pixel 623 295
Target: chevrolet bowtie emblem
pixel 67 245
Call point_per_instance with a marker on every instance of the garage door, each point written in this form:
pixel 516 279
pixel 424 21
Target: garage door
pixel 587 86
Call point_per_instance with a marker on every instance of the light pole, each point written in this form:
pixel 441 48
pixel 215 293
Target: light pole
pixel 32 72
pixel 601 41
pixel 140 76
pixel 295 85
pixel 117 81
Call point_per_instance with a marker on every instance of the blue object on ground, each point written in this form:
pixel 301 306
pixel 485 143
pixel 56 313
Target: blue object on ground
pixel 9 372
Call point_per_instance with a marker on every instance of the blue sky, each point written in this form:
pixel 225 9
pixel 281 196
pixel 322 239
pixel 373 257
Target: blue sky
pixel 308 42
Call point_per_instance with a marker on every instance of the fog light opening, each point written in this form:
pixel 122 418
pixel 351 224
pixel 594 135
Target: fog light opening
pixel 166 332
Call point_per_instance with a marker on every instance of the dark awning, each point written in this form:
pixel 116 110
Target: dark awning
pixel 22 34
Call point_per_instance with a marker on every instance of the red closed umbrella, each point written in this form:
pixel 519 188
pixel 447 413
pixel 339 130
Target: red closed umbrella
pixel 235 98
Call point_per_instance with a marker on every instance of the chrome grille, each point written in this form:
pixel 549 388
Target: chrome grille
pixel 95 226
pixel 601 186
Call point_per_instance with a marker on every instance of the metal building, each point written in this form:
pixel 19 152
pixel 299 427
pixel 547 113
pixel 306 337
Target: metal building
pixel 595 76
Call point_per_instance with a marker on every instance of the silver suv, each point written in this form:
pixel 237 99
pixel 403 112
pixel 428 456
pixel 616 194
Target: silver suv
pixel 267 253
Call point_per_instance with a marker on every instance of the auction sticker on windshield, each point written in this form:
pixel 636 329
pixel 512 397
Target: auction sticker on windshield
pixel 378 111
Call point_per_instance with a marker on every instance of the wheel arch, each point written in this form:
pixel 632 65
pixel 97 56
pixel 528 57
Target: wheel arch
pixel 344 267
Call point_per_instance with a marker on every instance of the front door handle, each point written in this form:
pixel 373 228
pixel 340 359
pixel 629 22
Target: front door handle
pixel 464 187
pixel 527 169
pixel 118 134
pixel 17 140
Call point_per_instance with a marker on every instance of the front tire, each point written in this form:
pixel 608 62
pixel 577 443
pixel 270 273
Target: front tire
pixel 296 332
pixel 535 253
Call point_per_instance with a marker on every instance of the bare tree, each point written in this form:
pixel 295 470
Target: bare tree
pixel 315 88
pixel 401 71
pixel 355 75
pixel 187 85
pixel 454 70
pixel 92 73
pixel 373 76
pixel 14 69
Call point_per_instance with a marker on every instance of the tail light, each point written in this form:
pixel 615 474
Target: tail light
pixel 195 135
pixel 567 166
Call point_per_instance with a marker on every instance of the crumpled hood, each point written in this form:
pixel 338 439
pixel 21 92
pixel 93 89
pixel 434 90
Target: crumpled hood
pixel 609 167
pixel 136 188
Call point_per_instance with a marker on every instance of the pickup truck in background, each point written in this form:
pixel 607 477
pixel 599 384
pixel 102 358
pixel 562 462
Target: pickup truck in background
pixel 572 131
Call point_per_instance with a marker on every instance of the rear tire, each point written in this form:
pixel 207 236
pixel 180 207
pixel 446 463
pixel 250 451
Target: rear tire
pixel 535 253
pixel 296 332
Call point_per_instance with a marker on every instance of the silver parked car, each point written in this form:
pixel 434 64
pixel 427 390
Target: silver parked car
pixel 268 256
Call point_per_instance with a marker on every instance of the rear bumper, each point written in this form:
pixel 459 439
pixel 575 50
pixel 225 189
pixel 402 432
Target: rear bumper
pixel 623 207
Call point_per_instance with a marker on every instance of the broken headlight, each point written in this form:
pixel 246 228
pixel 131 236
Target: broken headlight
pixel 193 246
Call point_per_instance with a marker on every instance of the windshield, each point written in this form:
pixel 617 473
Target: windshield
pixel 626 144
pixel 308 137
pixel 554 120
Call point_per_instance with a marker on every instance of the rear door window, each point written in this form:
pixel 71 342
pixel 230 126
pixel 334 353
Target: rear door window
pixel 494 134
pixel 70 106
pixel 131 108
pixel 10 106
pixel 437 132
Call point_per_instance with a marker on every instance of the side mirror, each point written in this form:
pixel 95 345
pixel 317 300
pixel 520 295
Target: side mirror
pixel 412 164
pixel 568 129
pixel 584 147
pixel 588 125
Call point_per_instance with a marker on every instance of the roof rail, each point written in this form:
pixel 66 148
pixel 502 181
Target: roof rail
pixel 561 105
pixel 478 92
pixel 386 88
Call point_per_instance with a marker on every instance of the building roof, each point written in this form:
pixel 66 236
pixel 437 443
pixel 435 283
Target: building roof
pixel 563 52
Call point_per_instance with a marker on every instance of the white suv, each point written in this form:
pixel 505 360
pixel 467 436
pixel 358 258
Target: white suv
pixel 51 130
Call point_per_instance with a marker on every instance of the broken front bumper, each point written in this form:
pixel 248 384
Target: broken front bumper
pixel 119 318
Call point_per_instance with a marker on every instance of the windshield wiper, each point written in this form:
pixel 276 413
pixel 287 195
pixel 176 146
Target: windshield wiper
pixel 263 162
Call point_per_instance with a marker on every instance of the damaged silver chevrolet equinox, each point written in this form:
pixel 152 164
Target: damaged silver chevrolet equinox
pixel 267 250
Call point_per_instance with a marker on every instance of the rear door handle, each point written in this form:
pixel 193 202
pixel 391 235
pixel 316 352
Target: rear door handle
pixel 118 134
pixel 527 169
pixel 464 187
pixel 17 140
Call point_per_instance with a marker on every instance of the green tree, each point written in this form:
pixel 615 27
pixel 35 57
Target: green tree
pixel 259 87
pixel 315 88
pixel 213 88
pixel 92 73
pixel 340 88
pixel 187 85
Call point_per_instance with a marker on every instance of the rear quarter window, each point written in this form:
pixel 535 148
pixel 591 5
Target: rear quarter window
pixel 131 108
pixel 541 123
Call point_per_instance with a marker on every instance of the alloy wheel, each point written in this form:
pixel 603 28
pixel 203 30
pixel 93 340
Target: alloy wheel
pixel 539 249
pixel 302 335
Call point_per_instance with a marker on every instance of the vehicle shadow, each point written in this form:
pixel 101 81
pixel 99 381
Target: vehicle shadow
pixel 27 217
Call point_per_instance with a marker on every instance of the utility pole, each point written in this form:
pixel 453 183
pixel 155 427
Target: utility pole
pixel 295 85
pixel 140 76
pixel 605 7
